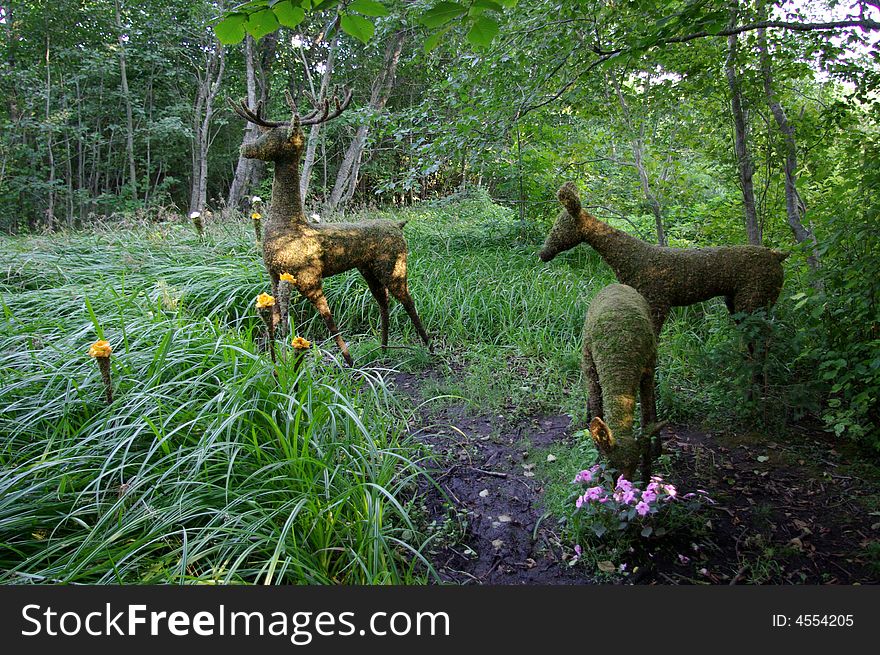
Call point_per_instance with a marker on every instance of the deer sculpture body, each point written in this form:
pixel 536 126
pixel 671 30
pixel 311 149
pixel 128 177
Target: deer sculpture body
pixel 313 251
pixel 619 355
pixel 747 277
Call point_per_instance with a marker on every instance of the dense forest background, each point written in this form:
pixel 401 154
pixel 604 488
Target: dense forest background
pixel 684 122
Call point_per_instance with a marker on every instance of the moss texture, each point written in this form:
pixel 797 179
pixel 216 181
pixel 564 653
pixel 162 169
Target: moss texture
pixel 619 354
pixel 747 277
pixel 313 251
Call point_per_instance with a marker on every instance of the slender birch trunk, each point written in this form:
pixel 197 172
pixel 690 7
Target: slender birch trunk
pixel 126 98
pixel 347 177
pixel 744 164
pixel 794 206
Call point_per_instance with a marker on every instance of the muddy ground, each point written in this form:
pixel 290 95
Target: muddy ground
pixel 787 510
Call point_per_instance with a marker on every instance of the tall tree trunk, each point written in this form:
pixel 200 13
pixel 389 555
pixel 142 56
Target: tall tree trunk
pixel 50 209
pixel 126 97
pixel 244 168
pixel 794 206
pixel 744 164
pixel 346 178
pixel 209 87
pixel 68 166
pixel 315 132
pixel 638 151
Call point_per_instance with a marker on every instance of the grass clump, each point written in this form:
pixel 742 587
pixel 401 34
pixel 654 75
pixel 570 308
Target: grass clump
pixel 206 467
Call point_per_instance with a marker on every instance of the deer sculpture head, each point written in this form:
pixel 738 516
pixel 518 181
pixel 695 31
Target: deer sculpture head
pixel 283 140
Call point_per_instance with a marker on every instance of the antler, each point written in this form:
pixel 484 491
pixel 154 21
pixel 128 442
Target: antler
pixel 322 113
pixel 255 117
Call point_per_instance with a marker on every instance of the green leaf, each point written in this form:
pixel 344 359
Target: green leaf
pixel 480 6
pixel 717 26
pixel 434 40
pixel 358 27
pixel 482 32
pixel 261 23
pixel 442 13
pixel 368 8
pixel 287 14
pixel 230 30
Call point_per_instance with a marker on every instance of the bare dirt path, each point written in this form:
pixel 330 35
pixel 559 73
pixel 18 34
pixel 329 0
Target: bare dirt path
pixel 788 510
pixel 505 536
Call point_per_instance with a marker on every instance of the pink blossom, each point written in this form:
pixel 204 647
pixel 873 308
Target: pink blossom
pixel 670 490
pixel 578 550
pixel 684 559
pixel 584 476
pixel 623 484
pixel 579 502
pixel 654 487
pixel 628 496
pixel 593 493
pixel 649 497
pixel 642 508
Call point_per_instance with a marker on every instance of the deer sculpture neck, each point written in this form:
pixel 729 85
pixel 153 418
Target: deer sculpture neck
pixel 286 208
pixel 576 225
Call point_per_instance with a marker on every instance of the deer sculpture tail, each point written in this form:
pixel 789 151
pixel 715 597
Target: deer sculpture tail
pixel 568 196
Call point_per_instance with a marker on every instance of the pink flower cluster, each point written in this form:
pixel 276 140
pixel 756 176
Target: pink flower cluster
pixel 625 495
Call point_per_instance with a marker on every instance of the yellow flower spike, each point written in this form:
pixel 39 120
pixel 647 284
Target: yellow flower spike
pixel 256 216
pixel 287 277
pixel 299 343
pixel 265 300
pixel 100 348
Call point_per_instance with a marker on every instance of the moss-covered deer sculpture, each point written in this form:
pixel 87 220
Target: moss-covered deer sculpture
pixel 747 277
pixel 619 356
pixel 313 251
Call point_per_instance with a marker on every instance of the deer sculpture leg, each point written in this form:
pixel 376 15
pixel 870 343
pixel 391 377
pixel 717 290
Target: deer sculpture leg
pixel 276 310
pixel 315 295
pixel 399 289
pixel 380 293
pixel 653 446
pixel 594 391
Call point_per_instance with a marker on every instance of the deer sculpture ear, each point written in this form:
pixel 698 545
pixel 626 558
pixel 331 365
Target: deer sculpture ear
pixel 602 436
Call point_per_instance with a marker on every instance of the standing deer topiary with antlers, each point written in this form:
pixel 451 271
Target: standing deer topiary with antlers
pixel 313 251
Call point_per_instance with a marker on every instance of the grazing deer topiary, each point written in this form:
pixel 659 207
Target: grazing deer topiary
pixel 313 251
pixel 619 356
pixel 748 277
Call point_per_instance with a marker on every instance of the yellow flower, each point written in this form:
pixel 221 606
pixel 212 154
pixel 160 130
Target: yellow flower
pixel 256 216
pixel 287 277
pixel 265 300
pixel 100 348
pixel 301 344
